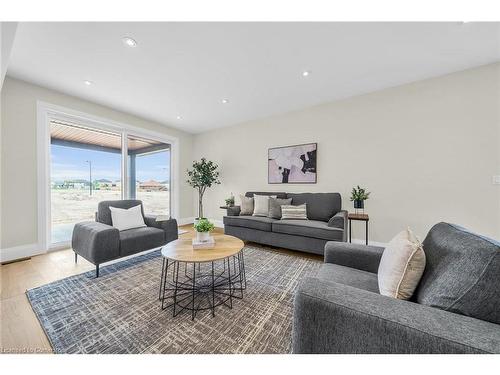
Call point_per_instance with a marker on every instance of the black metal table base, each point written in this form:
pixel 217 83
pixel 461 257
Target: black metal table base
pixel 201 286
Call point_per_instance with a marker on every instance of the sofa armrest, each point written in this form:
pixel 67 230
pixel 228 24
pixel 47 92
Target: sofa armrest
pixel 95 241
pixel 339 220
pixel 168 226
pixel 336 318
pixel 233 211
pixel 361 257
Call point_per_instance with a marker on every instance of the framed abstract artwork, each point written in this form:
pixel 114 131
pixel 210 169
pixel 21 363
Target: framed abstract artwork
pixel 292 164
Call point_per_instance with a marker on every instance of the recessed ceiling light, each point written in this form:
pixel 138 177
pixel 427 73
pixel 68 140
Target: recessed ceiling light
pixel 179 117
pixel 224 101
pixel 306 73
pixel 129 42
pixel 87 82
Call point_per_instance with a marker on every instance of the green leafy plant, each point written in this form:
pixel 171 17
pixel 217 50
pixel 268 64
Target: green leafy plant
pixel 359 194
pixel 203 225
pixel 229 201
pixel 203 175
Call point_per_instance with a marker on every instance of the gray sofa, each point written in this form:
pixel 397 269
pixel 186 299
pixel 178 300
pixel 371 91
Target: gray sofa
pixel 98 241
pixel 455 309
pixel 327 222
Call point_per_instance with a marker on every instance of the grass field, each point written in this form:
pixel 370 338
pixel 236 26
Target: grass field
pixel 69 206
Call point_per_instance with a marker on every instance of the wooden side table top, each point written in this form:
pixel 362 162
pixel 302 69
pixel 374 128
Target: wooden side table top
pixel 363 217
pixel 182 249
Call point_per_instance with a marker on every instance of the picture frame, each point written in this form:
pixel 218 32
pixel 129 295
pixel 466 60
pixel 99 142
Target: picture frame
pixel 295 164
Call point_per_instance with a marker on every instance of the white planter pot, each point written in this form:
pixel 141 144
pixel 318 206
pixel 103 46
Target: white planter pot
pixel 202 236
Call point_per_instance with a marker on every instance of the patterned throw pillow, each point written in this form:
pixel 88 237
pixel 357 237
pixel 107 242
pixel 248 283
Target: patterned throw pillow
pixel 246 206
pixel 275 207
pixel 294 212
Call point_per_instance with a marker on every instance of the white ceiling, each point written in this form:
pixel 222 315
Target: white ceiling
pixel 186 69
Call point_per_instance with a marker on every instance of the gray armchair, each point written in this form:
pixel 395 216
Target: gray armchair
pixel 98 241
pixel 454 309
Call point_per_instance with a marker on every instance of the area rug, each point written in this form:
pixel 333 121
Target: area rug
pixel 120 313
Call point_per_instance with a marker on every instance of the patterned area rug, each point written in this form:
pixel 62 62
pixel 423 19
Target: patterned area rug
pixel 120 313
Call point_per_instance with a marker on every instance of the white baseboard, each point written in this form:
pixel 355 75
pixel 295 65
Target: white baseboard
pixel 185 221
pixel 19 252
pixel 217 223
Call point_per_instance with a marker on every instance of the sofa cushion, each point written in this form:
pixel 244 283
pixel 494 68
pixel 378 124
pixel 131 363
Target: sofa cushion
pixel 247 205
pixel 308 228
pixel 401 266
pixel 320 206
pixel 139 239
pixel 104 213
pixel 253 222
pixel 130 218
pixel 261 204
pixel 289 212
pixel 348 276
pixel 462 273
pixel 275 207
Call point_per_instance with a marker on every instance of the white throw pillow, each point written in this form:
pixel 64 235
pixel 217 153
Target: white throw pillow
pixel 261 204
pixel 124 219
pixel 401 266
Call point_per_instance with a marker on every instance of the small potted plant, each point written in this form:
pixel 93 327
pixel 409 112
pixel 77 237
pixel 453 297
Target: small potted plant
pixel 358 196
pixel 203 228
pixel 230 201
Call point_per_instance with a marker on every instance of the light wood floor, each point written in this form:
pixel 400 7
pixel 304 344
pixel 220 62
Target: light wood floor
pixel 20 331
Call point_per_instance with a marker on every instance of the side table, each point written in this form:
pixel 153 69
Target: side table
pixel 358 217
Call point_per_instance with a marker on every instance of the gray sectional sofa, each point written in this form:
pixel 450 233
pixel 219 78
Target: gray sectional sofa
pixel 327 222
pixel 455 309
pixel 98 241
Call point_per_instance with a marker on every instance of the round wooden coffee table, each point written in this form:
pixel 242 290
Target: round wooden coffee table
pixel 210 277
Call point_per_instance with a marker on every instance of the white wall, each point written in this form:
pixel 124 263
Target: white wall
pixel 427 151
pixel 7 35
pixel 19 155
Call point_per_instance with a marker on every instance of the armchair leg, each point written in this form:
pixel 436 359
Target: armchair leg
pixel 76 258
pixel 96 271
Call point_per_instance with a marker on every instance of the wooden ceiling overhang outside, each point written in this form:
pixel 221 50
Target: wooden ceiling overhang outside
pixel 69 135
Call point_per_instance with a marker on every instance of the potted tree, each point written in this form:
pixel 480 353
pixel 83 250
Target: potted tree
pixel 203 228
pixel 203 175
pixel 358 196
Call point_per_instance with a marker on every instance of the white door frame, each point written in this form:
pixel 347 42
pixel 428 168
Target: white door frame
pixel 47 112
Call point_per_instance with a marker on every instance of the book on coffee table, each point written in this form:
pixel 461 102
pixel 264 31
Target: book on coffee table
pixel 208 244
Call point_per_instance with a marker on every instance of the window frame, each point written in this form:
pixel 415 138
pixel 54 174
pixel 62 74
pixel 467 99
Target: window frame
pixel 46 113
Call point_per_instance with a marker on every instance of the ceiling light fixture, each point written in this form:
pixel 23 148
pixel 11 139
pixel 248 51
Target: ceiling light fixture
pixel 224 101
pixel 306 73
pixel 129 42
pixel 87 82
pixel 179 117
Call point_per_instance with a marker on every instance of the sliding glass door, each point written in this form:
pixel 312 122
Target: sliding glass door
pixel 89 165
pixel 85 169
pixel 149 174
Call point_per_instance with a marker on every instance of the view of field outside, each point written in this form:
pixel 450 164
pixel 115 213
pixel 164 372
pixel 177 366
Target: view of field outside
pixel 71 198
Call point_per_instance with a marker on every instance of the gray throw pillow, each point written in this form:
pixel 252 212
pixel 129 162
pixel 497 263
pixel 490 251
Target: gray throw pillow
pixel 275 207
pixel 246 206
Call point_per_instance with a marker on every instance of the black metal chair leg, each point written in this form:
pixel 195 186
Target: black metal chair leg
pixel 96 271
pixel 76 257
